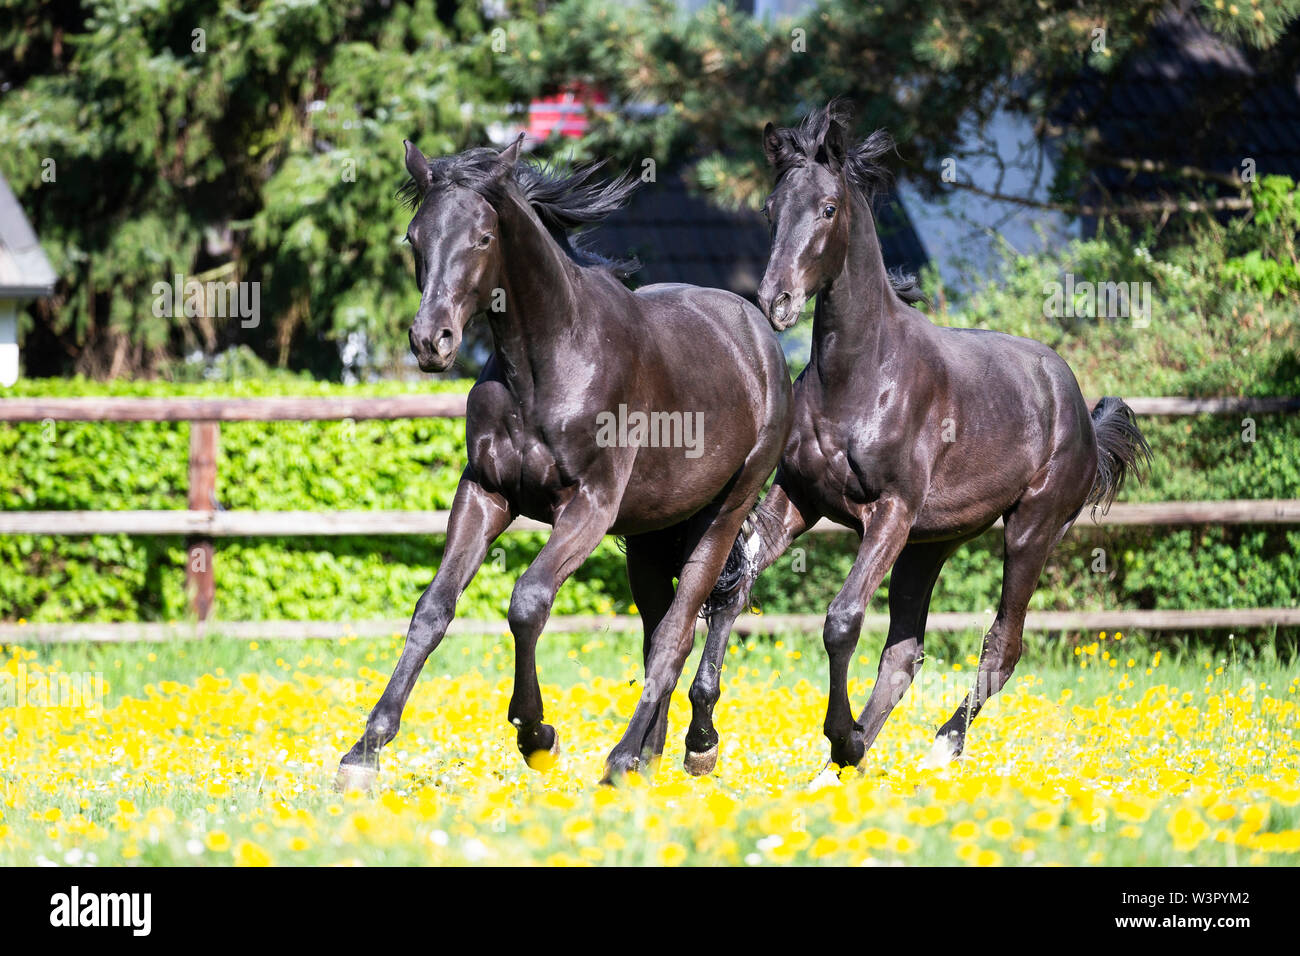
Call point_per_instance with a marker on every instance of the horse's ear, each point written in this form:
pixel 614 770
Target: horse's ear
pixel 833 146
pixel 771 144
pixel 508 158
pixel 417 166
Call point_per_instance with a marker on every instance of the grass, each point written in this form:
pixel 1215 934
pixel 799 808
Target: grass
pixel 1100 751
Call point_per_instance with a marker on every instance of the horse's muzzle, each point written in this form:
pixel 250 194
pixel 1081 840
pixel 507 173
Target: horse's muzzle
pixel 435 352
pixel 784 310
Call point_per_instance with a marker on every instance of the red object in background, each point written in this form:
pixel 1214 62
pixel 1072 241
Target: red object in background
pixel 564 113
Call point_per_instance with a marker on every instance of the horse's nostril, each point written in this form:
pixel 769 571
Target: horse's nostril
pixel 444 341
pixel 781 307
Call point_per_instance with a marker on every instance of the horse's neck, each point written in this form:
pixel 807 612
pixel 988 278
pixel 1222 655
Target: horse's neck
pixel 541 299
pixel 854 318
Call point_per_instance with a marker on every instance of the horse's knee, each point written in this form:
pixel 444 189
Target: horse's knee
pixel 529 606
pixel 998 666
pixel 1006 653
pixel 433 613
pixel 902 658
pixel 898 666
pixel 842 629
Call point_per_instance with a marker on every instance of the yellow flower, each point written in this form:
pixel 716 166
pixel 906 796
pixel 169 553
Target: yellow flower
pixel 250 854
pixel 218 841
pixel 1041 820
pixel 577 827
pixel 926 816
pixel 1187 828
pixel 876 838
pixel 1000 828
pixel 966 830
pixel 672 854
pixel 823 847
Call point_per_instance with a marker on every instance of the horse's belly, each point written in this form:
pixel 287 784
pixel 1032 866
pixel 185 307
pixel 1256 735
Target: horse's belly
pixel 667 487
pixel 960 513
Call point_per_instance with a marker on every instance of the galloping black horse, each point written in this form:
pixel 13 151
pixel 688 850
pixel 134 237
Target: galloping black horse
pixel 917 437
pixel 694 377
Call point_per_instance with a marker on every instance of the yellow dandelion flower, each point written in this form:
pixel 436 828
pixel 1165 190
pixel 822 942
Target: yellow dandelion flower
pixel 248 853
pixel 672 854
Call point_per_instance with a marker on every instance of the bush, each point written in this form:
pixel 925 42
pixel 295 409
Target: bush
pixel 416 464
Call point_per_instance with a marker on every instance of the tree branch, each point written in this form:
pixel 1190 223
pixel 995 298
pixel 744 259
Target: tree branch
pixel 1126 209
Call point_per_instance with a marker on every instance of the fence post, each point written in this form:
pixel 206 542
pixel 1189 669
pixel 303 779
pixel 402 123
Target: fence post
pixel 202 497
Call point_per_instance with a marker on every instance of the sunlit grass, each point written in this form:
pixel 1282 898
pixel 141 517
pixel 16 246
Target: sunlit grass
pixel 1101 752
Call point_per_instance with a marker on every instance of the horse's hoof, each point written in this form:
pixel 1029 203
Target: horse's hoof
pixel 700 765
pixel 353 776
pixel 542 760
pixel 618 767
pixel 829 777
pixel 944 752
pixel 848 753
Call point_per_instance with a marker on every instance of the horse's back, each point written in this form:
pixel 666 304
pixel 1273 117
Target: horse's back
pixel 1037 371
pixel 719 309
pixel 699 322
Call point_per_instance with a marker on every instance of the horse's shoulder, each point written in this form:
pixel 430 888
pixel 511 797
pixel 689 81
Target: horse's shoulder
pixel 489 396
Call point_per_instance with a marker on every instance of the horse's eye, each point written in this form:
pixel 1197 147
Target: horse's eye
pixel 485 240
pixel 767 212
pixel 829 211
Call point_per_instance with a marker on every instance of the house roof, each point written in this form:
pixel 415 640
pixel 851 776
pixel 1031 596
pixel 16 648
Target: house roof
pixel 680 236
pixel 24 270
pixel 1189 98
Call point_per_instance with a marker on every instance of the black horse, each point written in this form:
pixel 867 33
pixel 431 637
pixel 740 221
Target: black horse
pixel 656 414
pixel 917 437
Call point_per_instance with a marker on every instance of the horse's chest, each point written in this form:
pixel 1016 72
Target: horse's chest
pixel 517 462
pixel 819 456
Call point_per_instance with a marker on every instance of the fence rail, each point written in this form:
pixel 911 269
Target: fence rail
pixel 251 524
pixel 292 409
pixel 201 525
pixel 332 408
pixel 947 621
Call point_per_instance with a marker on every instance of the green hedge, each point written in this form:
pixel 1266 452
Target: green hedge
pixel 415 465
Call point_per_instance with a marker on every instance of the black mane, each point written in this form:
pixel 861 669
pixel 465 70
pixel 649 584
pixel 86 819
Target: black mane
pixel 863 167
pixel 564 200
pixel 801 144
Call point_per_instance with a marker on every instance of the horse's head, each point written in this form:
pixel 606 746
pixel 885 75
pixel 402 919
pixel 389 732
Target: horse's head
pixel 809 211
pixel 453 236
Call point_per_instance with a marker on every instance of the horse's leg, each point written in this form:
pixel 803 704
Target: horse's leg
pixel 709 541
pixel 886 523
pixel 1033 527
pixel 911 583
pixel 776 523
pixel 652 563
pixel 477 517
pixel 578 529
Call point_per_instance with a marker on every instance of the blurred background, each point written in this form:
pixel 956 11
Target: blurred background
pixel 1041 145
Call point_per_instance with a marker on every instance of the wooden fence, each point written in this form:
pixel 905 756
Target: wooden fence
pixel 202 523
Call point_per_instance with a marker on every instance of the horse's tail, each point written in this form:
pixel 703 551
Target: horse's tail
pixel 1121 450
pixel 742 566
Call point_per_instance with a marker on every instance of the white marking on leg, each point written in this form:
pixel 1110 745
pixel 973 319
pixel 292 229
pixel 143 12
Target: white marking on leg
pixel 941 754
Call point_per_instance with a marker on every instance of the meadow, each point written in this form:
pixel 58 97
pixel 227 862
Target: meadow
pixel 1103 750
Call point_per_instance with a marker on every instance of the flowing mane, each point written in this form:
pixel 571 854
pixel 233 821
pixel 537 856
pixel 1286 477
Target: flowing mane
pixel 566 200
pixel 863 168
